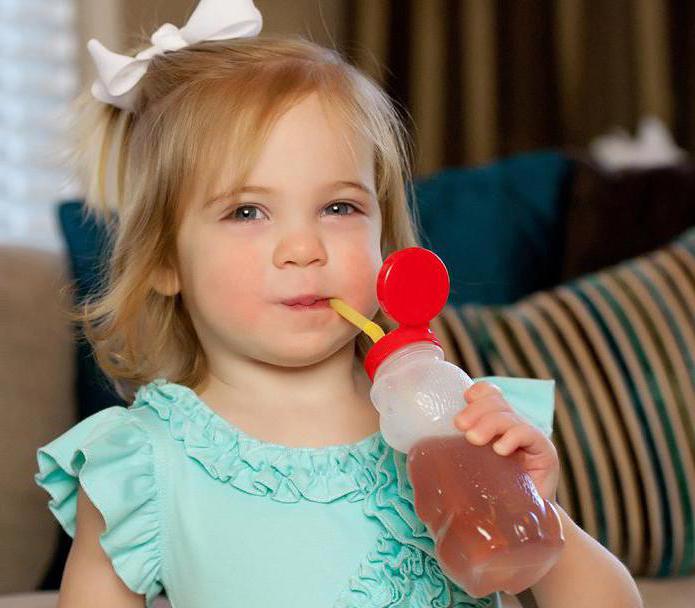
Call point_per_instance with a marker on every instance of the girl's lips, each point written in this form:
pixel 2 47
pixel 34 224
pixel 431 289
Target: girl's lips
pixel 318 305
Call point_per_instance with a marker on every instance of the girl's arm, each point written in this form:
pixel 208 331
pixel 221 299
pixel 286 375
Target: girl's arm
pixel 586 574
pixel 89 578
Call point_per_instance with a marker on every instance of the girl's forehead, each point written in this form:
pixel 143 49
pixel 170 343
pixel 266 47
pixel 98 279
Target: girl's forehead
pixel 306 142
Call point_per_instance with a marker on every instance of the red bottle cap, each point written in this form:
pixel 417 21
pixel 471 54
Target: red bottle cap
pixel 412 287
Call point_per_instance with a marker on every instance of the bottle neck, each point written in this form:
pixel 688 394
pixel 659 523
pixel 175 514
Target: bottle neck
pixel 407 352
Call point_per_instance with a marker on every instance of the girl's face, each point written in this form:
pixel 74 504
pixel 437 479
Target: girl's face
pixel 299 229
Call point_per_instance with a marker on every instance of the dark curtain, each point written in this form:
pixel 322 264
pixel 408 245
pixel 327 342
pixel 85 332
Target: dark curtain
pixel 487 78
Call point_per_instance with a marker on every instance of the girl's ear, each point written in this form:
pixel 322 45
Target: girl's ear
pixel 165 281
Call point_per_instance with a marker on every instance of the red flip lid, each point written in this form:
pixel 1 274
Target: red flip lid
pixel 412 287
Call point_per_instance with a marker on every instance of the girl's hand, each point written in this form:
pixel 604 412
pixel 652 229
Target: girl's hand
pixel 488 416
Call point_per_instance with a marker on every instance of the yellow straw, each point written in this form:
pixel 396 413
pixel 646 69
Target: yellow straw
pixel 368 327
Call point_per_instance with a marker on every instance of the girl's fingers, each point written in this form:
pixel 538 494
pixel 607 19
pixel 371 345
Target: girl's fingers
pixel 491 425
pixel 480 390
pixel 473 412
pixel 524 436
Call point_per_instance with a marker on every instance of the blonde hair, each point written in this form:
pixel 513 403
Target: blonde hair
pixel 138 169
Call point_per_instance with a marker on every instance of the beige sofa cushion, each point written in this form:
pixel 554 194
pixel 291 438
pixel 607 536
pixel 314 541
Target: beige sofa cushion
pixel 37 403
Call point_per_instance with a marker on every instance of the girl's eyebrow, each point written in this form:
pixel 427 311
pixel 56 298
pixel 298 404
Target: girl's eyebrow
pixel 266 190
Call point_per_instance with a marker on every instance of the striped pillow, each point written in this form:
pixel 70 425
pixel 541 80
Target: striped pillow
pixel 620 344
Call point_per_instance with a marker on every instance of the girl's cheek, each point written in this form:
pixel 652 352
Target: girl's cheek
pixel 359 281
pixel 229 286
pixel 244 313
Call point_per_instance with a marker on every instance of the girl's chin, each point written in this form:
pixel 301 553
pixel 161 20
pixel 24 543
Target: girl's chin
pixel 303 350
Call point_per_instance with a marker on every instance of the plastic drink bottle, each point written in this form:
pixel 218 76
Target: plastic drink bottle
pixel 492 530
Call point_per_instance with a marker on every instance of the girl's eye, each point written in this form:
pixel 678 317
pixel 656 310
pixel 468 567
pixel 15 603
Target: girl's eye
pixel 244 216
pixel 243 213
pixel 338 204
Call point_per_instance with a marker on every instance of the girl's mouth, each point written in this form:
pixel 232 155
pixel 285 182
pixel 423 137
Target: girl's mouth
pixel 318 305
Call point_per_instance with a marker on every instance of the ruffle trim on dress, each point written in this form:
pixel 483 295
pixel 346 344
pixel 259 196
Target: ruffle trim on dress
pixel 285 474
pixel 110 455
pixel 402 571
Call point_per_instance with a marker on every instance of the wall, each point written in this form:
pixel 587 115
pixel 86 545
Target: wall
pixel 117 23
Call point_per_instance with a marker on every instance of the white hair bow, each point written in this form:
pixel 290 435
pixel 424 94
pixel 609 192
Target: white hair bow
pixel 211 20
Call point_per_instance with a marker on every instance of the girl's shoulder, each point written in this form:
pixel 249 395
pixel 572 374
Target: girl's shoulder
pixel 112 442
pixel 119 457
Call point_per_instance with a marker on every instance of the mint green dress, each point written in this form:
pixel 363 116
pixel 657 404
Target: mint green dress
pixel 214 517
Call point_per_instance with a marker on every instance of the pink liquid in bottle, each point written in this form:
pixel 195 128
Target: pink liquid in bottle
pixel 492 530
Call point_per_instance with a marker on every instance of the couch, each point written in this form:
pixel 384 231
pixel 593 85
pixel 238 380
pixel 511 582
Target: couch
pixel 42 397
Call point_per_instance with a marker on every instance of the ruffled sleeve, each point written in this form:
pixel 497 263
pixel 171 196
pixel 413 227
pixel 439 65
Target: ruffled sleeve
pixel 532 398
pixel 111 456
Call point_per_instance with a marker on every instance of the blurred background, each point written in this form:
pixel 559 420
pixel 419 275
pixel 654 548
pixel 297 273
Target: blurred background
pixel 553 143
pixel 480 79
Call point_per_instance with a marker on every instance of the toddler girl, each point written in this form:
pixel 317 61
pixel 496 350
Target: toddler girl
pixel 243 177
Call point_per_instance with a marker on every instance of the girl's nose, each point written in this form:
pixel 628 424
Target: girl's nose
pixel 301 249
